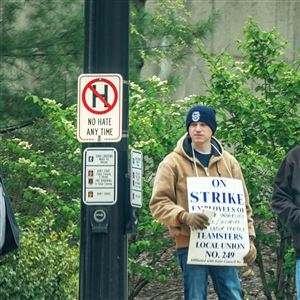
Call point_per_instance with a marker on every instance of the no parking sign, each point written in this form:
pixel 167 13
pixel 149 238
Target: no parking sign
pixel 99 108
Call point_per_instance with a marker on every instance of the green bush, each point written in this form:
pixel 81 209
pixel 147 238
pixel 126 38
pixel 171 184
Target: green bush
pixel 46 264
pixel 41 169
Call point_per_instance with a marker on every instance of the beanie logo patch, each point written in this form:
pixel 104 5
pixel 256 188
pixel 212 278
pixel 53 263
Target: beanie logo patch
pixel 196 116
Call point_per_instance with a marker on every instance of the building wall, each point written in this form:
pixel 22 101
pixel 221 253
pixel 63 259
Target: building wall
pixel 283 15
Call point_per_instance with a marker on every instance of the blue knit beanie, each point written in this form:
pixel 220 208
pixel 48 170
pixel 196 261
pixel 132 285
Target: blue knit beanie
pixel 201 113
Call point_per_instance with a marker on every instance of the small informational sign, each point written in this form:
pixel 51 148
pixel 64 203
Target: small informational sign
pixel 99 108
pixel 136 178
pixel 225 242
pixel 100 176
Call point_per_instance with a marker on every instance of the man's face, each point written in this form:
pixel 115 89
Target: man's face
pixel 200 133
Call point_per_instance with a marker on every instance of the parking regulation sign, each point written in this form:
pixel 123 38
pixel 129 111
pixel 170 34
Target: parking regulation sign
pixel 99 108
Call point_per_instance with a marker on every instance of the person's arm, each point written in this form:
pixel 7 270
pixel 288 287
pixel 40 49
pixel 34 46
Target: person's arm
pixel 2 218
pixel 282 199
pixel 163 203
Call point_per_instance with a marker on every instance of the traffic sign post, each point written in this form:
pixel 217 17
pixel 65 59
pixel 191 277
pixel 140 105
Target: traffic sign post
pixel 102 128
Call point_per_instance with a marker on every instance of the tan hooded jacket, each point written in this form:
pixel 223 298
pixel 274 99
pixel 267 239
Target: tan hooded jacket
pixel 169 195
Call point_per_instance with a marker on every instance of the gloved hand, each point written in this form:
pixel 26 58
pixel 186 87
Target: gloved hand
pixel 195 220
pixel 251 256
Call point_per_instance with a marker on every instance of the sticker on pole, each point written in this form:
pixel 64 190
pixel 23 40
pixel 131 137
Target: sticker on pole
pixel 99 108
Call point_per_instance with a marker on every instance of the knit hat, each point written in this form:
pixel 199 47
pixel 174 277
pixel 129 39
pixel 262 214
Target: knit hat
pixel 201 113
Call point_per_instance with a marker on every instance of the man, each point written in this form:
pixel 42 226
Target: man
pixel 286 201
pixel 197 153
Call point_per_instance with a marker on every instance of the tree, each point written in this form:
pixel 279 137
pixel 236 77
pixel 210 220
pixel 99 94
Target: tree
pixel 42 48
pixel 41 157
pixel 41 166
pixel 254 97
pixel 156 122
pixel 258 101
pixel 167 32
pixel 41 52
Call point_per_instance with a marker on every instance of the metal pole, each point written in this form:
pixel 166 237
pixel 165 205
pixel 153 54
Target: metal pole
pixel 103 245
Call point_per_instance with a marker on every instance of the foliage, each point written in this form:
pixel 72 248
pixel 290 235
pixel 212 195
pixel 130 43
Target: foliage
pixel 41 167
pixel 257 99
pixel 164 31
pixel 45 267
pixel 42 48
pixel 156 122
pixel 41 52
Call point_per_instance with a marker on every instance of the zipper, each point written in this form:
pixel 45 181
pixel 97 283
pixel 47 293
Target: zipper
pixel 206 172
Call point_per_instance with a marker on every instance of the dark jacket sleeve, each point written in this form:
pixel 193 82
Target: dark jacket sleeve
pixel 285 199
pixel 11 229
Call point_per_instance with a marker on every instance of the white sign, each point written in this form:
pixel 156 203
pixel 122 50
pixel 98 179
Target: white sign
pixel 136 178
pixel 100 176
pixel 225 241
pixel 99 108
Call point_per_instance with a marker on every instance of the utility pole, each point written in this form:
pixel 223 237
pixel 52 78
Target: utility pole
pixel 103 241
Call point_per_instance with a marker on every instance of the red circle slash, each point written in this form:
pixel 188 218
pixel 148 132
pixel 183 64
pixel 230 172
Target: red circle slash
pixel 109 106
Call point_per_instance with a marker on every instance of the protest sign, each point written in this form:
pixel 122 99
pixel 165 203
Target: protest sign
pixel 225 242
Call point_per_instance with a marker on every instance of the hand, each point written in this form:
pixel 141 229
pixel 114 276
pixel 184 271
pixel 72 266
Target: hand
pixel 251 256
pixel 195 220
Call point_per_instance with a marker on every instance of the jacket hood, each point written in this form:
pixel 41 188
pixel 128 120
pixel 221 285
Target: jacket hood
pixel 184 146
